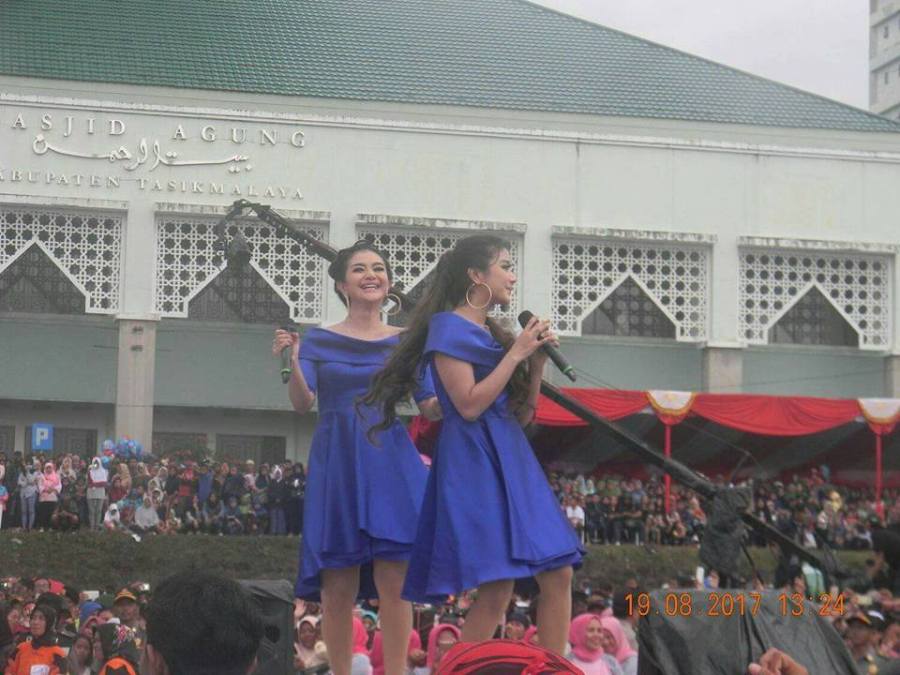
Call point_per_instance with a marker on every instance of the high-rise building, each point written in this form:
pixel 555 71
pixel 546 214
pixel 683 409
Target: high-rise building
pixel 884 57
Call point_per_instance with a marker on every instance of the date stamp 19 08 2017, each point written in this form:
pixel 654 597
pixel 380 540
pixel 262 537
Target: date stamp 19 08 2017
pixel 728 604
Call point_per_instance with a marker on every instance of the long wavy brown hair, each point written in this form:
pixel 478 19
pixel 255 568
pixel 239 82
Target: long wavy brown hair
pixel 399 378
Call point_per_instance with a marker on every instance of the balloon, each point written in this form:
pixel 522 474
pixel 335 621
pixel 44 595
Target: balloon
pixel 108 444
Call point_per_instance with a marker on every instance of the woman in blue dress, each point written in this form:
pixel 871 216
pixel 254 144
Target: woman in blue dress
pixel 362 499
pixel 489 516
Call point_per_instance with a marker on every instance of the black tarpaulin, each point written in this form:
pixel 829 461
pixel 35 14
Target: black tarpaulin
pixel 681 638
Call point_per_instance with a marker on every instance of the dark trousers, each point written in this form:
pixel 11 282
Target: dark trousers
pixel 293 513
pixel 43 513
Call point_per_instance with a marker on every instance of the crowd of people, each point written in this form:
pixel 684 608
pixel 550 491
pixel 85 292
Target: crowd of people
pixel 68 492
pixel 194 622
pixel 44 622
pixel 609 509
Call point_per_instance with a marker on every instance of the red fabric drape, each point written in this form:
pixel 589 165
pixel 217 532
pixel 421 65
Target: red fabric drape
pixel 610 404
pixel 775 415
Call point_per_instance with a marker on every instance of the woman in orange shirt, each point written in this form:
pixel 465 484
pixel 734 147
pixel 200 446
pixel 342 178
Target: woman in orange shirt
pixel 41 650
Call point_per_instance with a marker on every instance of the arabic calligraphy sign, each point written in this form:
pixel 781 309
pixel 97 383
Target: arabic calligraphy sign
pixel 112 142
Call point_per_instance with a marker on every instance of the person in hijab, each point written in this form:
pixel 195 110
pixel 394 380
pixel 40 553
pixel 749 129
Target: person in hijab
pixel 146 519
pixel 7 636
pixel 309 650
pixel 616 644
pixel 159 481
pixel 377 654
pixel 112 520
pixel 585 637
pixel 360 663
pixel 120 653
pixel 28 491
pixel 124 475
pixel 41 650
pixel 81 656
pixel 370 621
pixel 278 494
pixel 440 640
pixel 98 477
pixel 49 487
pixel 67 476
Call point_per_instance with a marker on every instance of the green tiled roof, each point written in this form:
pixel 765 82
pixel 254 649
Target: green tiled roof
pixel 489 53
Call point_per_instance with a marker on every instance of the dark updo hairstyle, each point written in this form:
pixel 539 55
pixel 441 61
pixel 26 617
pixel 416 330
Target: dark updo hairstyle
pixel 337 270
pixel 399 378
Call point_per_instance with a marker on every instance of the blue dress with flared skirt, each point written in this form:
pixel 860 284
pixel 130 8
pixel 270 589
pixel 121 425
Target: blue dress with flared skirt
pixel 362 500
pixel 488 513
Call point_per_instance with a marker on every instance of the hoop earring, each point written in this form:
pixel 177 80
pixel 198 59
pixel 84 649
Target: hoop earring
pixel 398 304
pixel 490 296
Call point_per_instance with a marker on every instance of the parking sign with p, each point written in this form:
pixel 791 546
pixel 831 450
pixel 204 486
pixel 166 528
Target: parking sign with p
pixel 42 437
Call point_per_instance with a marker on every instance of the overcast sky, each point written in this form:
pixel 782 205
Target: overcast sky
pixel 821 46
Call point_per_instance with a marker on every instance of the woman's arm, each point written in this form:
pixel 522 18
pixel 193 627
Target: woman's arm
pixel 525 414
pixel 299 393
pixel 472 398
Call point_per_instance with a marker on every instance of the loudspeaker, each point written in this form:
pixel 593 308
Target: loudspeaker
pixel 275 600
pixel 685 632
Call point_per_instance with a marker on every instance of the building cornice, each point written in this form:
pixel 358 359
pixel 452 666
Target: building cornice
pixel 386 220
pixel 634 235
pixel 443 128
pixel 181 208
pixel 818 245
pixel 64 202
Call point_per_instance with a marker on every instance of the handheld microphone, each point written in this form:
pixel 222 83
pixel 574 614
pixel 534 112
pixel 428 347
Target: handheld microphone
pixel 286 360
pixel 555 355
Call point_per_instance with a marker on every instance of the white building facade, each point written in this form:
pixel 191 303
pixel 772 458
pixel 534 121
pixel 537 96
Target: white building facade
pixel 689 254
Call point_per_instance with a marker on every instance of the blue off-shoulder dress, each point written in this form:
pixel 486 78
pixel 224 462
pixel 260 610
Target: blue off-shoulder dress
pixel 362 500
pixel 488 513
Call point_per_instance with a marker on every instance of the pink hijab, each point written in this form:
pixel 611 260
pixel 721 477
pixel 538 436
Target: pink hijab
pixel 623 649
pixel 51 480
pixel 360 637
pixel 377 655
pixel 578 638
pixel 433 640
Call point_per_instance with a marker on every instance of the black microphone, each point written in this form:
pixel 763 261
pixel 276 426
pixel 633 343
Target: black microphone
pixel 555 355
pixel 286 360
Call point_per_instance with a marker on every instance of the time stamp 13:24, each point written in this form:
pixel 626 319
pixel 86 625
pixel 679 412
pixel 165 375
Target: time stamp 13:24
pixel 732 604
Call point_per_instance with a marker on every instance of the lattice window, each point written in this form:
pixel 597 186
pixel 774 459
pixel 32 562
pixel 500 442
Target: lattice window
pixel 34 283
pixel 414 254
pixel 185 264
pixel 261 449
pixel 86 246
pixel 813 320
pixel 675 276
pixel 773 280
pixel 628 312
pixel 239 295
pixel 7 440
pixel 168 442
